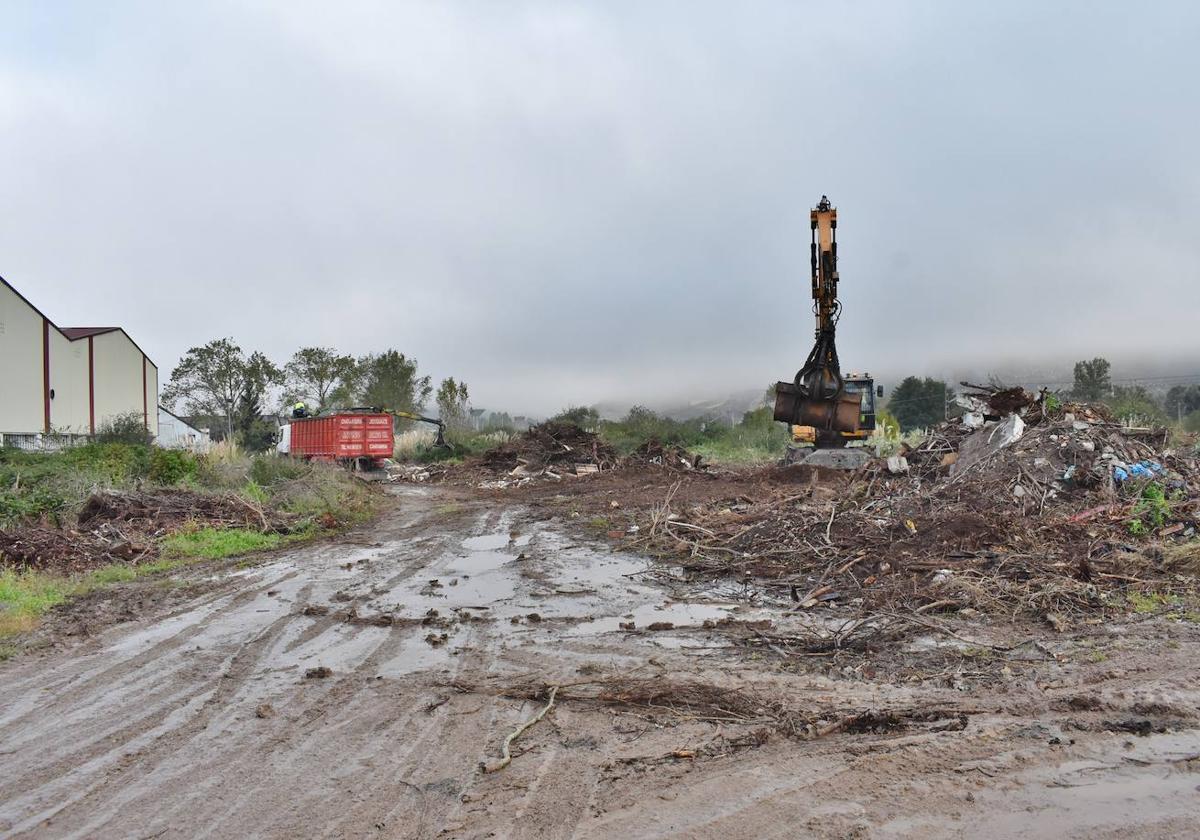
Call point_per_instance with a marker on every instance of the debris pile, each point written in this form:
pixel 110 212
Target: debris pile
pixel 44 549
pixel 550 448
pixel 656 453
pixel 1020 506
pixel 165 509
pixel 122 527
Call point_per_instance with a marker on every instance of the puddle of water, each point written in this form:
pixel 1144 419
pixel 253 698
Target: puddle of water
pixel 486 542
pixel 478 562
pixel 494 542
pixel 414 598
pixel 416 654
pixel 681 614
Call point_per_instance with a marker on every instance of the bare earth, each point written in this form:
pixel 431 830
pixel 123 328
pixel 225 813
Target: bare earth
pixel 203 714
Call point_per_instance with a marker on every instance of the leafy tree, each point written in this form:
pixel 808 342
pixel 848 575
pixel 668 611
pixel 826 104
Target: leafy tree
pixel 498 421
pixel 452 400
pixel 1092 380
pixel 1133 404
pixel 585 417
pixel 314 373
pixel 1182 400
pixel 254 432
pixel 212 379
pixel 919 403
pixel 390 380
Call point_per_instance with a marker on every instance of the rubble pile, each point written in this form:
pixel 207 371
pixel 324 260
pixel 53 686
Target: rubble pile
pixel 551 447
pixel 1023 505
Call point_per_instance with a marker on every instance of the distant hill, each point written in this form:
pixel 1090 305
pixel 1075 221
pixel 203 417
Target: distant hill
pixel 729 408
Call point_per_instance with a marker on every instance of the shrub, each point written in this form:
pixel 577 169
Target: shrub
pixel 171 466
pixel 268 470
pixel 125 428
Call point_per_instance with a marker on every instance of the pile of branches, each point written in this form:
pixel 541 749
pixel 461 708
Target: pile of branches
pixel 122 527
pixel 163 510
pixel 1039 526
pixel 554 443
pixel 46 549
pixel 656 453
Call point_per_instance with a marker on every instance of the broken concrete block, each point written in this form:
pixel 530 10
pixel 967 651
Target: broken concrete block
pixel 897 464
pixel 838 459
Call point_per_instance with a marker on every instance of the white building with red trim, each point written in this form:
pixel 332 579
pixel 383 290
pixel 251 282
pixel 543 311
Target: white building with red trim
pixel 67 380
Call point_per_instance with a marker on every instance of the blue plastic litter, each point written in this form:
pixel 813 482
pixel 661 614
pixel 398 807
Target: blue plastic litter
pixel 1142 469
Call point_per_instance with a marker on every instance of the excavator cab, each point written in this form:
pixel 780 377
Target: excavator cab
pixel 863 390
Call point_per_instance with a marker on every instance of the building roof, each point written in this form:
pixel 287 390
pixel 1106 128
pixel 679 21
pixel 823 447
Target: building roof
pixel 187 423
pixel 77 333
pixel 84 332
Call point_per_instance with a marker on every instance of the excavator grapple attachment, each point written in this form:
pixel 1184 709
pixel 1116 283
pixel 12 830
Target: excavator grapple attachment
pixel 839 413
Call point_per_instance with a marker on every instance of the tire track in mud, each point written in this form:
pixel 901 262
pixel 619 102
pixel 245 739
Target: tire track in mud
pixel 152 770
pixel 224 680
pixel 99 720
pixel 66 689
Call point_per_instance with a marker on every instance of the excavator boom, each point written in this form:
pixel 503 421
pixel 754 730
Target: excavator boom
pixel 818 396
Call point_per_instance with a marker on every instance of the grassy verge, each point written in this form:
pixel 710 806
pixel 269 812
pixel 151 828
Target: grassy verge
pixel 215 543
pixel 49 487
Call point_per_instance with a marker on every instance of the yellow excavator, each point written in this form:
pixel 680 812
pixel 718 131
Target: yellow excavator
pixel 824 408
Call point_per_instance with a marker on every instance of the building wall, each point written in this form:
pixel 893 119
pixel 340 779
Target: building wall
pixel 118 378
pixel 69 382
pixel 173 433
pixel 152 396
pixel 22 408
pixel 125 381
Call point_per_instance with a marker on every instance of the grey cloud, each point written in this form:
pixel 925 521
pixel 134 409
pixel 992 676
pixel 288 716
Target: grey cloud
pixel 580 202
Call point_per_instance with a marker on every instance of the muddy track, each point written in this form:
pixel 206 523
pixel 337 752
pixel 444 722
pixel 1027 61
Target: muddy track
pixel 199 720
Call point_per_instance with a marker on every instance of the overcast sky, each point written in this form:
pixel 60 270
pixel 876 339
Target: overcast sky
pixel 570 203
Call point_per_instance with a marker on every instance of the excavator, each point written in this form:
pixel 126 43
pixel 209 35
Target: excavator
pixel 825 408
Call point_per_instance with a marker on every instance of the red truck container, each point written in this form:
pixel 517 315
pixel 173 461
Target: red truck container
pixel 344 436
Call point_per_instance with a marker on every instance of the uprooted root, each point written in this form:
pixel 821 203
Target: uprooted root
pixel 695 700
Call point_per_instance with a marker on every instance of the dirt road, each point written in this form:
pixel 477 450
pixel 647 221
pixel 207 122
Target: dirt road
pixel 441 628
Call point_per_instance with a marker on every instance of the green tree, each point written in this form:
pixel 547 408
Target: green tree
pixel 1134 405
pixel 254 432
pixel 1182 400
pixel 498 421
pixel 390 380
pixel 212 379
pixel 452 398
pixel 1092 380
pixel 919 403
pixel 585 417
pixel 314 373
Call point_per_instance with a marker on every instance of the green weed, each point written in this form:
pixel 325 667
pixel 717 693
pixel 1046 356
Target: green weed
pixel 214 543
pixel 25 597
pixel 1151 511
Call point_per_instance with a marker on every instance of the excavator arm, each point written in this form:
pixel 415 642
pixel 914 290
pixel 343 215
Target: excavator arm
pixel 817 396
pixel 441 427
